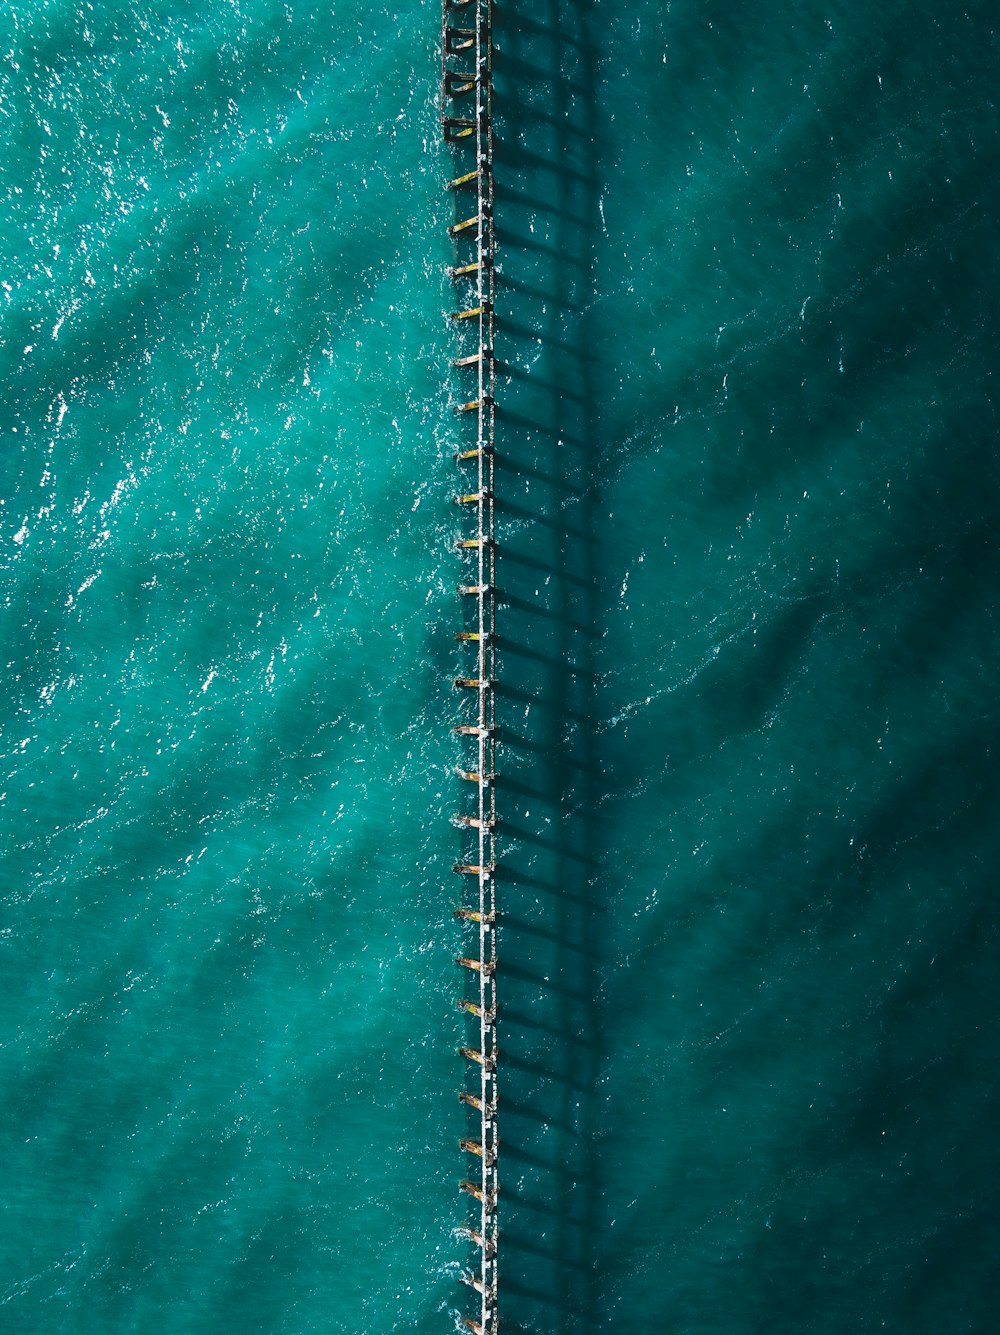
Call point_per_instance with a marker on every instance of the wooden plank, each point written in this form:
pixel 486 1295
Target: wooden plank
pixel 461 182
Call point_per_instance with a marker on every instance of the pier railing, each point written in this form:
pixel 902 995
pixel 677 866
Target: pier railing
pixel 466 86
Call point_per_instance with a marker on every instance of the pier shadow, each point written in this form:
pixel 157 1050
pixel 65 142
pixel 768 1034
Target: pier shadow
pixel 788 884
pixel 546 491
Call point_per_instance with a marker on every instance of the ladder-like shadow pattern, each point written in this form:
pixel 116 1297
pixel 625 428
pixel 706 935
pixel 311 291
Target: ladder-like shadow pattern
pixel 547 491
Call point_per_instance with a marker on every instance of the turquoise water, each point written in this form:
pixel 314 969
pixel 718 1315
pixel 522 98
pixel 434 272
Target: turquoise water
pixel 749 632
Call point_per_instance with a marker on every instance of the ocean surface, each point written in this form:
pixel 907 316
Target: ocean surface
pixel 747 504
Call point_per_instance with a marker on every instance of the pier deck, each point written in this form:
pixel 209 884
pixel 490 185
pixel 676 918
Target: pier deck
pixel 466 120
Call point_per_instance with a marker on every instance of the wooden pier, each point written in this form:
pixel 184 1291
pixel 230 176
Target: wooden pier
pixel 466 121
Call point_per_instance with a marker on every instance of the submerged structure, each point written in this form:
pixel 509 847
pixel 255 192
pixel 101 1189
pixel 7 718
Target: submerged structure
pixel 466 73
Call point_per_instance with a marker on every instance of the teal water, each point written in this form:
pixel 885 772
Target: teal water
pixel 749 633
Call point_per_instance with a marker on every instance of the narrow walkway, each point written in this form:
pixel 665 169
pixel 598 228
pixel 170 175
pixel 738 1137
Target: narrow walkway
pixel 466 75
